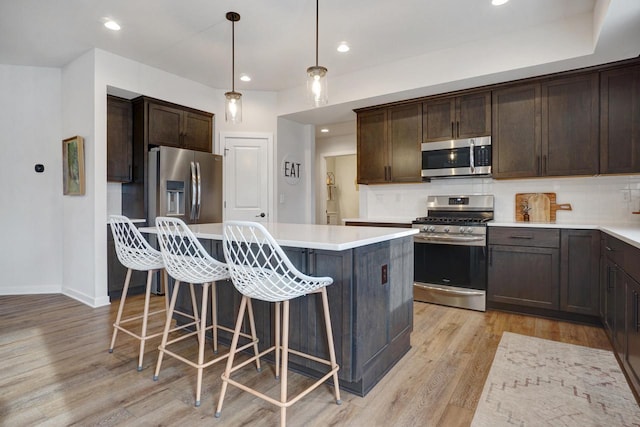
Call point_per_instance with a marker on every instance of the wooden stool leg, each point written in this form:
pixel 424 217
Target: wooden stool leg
pixel 202 339
pixel 285 361
pixel 214 317
pixel 194 307
pixel 232 353
pixel 254 336
pixel 332 351
pixel 167 326
pixel 145 318
pixel 123 297
pixel 277 343
pixel 164 279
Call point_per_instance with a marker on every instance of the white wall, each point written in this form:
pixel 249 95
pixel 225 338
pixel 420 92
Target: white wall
pixel 31 207
pixel 55 242
pixel 347 188
pixel 294 198
pixel 327 147
pixel 595 200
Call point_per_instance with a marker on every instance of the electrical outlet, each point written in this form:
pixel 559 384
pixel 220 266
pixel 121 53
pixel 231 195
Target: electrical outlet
pixel 385 275
pixel 626 196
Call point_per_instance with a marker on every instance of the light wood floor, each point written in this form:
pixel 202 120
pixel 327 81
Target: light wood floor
pixel 55 370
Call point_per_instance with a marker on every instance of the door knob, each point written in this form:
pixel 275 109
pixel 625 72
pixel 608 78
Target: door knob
pixel 262 215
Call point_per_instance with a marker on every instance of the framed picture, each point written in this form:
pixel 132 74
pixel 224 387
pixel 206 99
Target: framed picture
pixel 73 166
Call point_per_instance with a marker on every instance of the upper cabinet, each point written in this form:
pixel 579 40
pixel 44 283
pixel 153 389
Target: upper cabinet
pixel 176 126
pixel 546 129
pixel 620 120
pixel 516 140
pixel 119 140
pixel 570 115
pixel 389 144
pixel 464 116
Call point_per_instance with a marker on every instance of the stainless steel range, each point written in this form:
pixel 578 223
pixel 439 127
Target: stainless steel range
pixel 451 251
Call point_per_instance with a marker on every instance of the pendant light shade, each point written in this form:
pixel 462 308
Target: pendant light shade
pixel 317 78
pixel 233 103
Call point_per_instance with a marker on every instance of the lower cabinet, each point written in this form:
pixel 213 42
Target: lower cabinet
pixel 632 354
pixel 524 267
pixel 544 268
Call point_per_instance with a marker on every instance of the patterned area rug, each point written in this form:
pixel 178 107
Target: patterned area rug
pixel 537 382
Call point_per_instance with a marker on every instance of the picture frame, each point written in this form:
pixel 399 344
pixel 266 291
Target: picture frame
pixel 73 166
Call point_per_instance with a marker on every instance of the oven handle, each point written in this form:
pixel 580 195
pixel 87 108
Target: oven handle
pixel 445 289
pixel 451 239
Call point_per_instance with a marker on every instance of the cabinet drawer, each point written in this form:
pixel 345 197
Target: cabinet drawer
pixel 614 250
pixel 518 236
pixel 632 262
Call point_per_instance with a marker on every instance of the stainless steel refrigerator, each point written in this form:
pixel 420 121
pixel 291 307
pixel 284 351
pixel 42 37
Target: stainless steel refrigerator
pixel 185 184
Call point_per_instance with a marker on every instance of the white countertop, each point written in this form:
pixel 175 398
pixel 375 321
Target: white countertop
pixel 312 236
pixel 629 233
pixel 381 220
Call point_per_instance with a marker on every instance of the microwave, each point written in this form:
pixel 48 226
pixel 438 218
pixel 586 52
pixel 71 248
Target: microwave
pixel 457 157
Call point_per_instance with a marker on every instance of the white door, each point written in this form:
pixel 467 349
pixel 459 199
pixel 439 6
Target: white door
pixel 246 176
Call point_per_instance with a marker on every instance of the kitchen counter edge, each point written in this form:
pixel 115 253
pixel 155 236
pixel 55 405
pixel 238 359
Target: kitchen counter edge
pixel 311 236
pixel 628 233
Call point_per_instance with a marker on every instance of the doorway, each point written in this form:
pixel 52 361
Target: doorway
pixel 341 192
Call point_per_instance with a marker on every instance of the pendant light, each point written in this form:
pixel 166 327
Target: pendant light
pixel 317 78
pixel 233 104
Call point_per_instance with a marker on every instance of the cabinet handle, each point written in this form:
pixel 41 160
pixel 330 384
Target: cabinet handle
pixel 544 164
pixel 457 128
pixel 635 311
pixel 538 165
pixel 389 172
pixel 609 249
pixel 452 134
pixel 490 256
pixel 517 236
pixel 610 278
pixel 312 262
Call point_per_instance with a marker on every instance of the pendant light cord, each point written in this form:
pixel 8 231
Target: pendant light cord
pixel 233 55
pixel 317 11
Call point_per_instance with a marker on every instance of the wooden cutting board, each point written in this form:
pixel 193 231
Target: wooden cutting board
pixel 542 207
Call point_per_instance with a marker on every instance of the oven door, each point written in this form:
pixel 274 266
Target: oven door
pixel 451 274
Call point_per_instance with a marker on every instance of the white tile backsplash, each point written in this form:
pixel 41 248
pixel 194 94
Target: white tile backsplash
pixel 594 200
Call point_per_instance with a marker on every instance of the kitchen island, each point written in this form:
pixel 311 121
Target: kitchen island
pixel 371 298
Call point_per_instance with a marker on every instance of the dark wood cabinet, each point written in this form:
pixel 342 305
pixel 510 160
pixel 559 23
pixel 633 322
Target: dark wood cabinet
pixel 405 136
pixel 632 353
pixel 389 145
pixel 570 116
pixel 523 267
pixel 555 270
pixel 580 271
pixel 178 126
pixel 119 139
pixel 546 129
pixel 516 137
pixel 620 120
pixel 116 273
pixel 372 147
pixel 464 116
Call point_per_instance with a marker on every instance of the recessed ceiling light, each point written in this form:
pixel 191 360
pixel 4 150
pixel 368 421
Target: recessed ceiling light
pixel 343 47
pixel 498 2
pixel 112 25
pixel 245 77
pixel 324 130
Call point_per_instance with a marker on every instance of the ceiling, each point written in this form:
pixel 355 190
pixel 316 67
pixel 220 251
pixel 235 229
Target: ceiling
pixel 275 40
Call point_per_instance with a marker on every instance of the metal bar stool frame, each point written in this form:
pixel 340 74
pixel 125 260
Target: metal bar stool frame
pixel 260 269
pixel 187 261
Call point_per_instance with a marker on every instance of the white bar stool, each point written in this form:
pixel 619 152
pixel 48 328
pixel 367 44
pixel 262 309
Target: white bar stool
pixel 135 253
pixel 260 269
pixel 188 262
